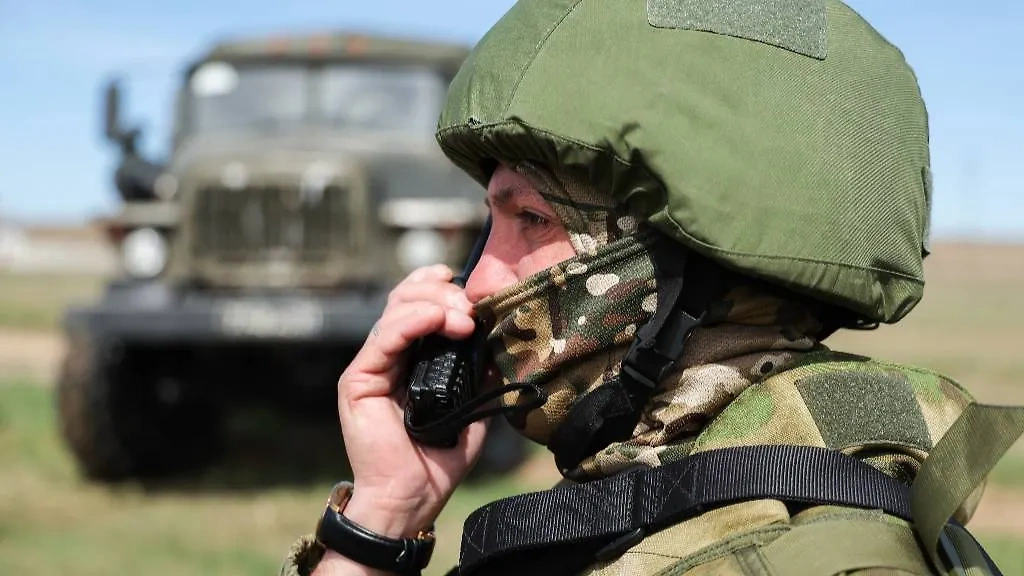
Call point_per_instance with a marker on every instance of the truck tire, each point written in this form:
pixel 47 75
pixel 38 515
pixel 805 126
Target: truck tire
pixel 115 424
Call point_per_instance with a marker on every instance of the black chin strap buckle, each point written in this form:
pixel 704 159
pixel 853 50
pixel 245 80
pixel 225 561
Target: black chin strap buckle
pixel 650 360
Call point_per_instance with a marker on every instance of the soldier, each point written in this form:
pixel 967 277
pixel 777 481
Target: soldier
pixel 687 199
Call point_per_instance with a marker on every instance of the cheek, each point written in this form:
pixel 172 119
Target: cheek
pixel 546 256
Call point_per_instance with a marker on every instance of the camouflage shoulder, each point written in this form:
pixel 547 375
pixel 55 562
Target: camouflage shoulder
pixel 845 402
pixel 303 557
pixel 929 398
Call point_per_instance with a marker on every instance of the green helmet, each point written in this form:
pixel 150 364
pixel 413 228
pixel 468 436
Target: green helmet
pixel 786 140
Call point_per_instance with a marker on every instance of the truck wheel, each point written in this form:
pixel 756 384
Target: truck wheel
pixel 119 420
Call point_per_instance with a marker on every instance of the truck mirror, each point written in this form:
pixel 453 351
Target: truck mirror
pixel 112 112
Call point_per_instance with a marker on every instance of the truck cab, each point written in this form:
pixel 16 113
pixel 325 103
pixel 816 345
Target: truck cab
pixel 303 182
pixel 299 163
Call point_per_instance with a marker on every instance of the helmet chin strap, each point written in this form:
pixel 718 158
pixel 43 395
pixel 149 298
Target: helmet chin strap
pixel 687 284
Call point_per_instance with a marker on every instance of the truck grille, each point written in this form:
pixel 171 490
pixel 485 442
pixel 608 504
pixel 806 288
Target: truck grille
pixel 271 222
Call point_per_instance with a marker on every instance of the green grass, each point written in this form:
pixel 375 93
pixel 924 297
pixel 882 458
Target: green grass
pixel 1010 471
pixel 37 302
pixel 240 516
pixel 1007 553
pixel 237 518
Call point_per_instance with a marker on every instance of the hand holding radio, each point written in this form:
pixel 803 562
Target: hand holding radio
pixel 443 374
pixel 402 485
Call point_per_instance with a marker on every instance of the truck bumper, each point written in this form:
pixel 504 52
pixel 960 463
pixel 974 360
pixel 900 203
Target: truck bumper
pixel 152 313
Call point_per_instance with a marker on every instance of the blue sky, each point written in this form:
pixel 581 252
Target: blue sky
pixel 54 55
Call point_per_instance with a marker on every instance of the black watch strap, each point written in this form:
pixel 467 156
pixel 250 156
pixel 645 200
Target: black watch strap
pixel 402 556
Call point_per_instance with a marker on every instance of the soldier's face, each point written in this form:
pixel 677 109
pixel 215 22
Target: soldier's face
pixel 526 236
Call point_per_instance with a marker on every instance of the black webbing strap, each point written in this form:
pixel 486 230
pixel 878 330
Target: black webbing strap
pixel 565 529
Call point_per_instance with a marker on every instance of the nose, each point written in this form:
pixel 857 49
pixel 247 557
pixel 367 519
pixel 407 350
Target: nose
pixel 491 275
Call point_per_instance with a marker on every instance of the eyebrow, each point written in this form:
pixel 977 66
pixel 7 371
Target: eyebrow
pixel 501 195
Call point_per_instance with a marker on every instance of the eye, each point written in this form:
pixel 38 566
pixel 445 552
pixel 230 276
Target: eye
pixel 532 219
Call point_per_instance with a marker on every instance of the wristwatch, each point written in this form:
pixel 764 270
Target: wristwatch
pixel 336 532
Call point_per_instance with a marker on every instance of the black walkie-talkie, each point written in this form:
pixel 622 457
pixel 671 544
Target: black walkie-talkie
pixel 442 376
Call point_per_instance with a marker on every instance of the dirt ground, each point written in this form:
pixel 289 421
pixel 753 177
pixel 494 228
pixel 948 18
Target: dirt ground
pixel 1001 511
pixel 29 354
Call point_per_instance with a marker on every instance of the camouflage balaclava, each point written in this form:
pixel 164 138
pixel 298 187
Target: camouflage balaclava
pixel 567 329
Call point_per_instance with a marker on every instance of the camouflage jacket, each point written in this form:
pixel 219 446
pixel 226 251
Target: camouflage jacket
pixel 886 414
pixel 889 415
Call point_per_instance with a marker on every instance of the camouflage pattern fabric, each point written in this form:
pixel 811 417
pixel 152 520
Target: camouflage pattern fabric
pixel 760 336
pixel 567 329
pixel 586 212
pixel 887 414
pixel 303 556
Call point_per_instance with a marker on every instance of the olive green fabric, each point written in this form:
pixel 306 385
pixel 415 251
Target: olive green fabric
pixel 807 172
pixel 733 540
pixel 959 464
pixel 843 546
pixel 303 556
pixel 857 408
pixel 728 541
pixel 797 25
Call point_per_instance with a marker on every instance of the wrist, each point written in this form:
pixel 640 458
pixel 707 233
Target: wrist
pixel 371 533
pixel 334 564
pixel 380 514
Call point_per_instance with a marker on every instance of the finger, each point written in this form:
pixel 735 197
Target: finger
pixel 437 272
pixel 437 292
pixel 401 326
pixel 399 329
pixel 378 365
pixel 468 448
pixel 474 437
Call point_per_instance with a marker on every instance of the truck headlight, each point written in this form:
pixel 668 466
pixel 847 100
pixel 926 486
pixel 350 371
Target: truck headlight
pixel 419 247
pixel 144 253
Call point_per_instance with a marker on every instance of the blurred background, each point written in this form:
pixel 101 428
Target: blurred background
pixel 171 411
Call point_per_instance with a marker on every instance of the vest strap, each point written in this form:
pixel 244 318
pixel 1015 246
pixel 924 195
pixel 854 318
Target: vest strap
pixel 565 529
pixel 957 465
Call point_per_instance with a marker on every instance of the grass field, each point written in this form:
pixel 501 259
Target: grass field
pixel 239 517
pixel 37 302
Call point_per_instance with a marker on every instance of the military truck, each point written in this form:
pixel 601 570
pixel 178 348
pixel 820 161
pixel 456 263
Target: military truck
pixel 303 181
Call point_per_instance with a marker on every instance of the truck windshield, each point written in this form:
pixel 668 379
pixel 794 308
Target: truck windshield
pixel 260 97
